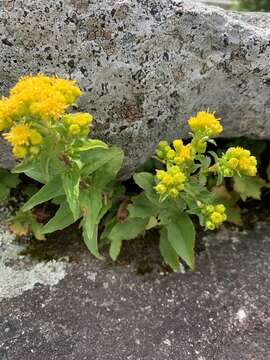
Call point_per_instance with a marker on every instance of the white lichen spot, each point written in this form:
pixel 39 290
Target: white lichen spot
pixel 19 274
pixel 167 342
pixel 241 315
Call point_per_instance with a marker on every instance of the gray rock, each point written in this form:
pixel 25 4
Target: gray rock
pixel 145 65
pixel 99 311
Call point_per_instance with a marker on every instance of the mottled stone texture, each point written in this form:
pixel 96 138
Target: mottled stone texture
pixel 145 65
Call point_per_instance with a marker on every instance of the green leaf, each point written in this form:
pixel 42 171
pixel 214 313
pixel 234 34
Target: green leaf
pixel 127 230
pixel 94 159
pixel 91 202
pixel 168 253
pixel 93 144
pixel 9 179
pixel 115 248
pixel 108 171
pixel 248 186
pixel 181 235
pixel 62 218
pixel 71 185
pixel 4 192
pixel 49 191
pixel 142 207
pixel 151 223
pixel 35 175
pixel 26 165
pixel 147 182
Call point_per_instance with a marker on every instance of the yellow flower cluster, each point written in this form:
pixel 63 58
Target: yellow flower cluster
pixel 215 215
pixel 178 155
pixel 170 182
pixel 237 159
pixel 40 96
pixel 78 124
pixel 205 124
pixel 24 140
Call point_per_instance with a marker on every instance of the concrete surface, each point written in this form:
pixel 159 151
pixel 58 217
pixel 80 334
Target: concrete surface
pixel 100 311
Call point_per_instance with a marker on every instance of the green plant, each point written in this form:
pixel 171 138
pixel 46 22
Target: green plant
pixel 76 173
pixel 79 175
pixel 7 181
pixel 251 5
pixel 231 191
pixel 179 191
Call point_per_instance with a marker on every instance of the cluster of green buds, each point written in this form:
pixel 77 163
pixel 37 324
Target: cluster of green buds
pixel 213 215
pixel 170 182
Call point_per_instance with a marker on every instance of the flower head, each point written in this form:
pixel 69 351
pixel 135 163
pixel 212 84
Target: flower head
pixel 170 182
pixel 214 215
pixel 205 124
pixel 237 159
pixel 21 137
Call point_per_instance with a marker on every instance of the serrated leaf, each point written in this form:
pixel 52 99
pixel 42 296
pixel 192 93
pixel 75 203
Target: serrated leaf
pixel 128 229
pixel 142 207
pixel 91 202
pixel 49 191
pixel 115 248
pixel 167 251
pixel 71 185
pixel 181 235
pixel 248 186
pixel 62 218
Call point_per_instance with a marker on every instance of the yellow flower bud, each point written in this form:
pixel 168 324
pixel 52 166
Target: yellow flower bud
pixel 161 189
pixel 74 129
pixel 209 225
pixel 160 174
pixel 220 208
pixel 35 137
pixel 34 150
pixel 170 154
pixel 19 151
pixel 173 193
pixel 216 218
pixel 178 144
pixel 163 144
pixel 210 208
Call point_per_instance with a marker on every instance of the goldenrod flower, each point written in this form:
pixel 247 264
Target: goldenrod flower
pixel 19 151
pixel 43 97
pixel 205 124
pixel 19 135
pixel 214 215
pixel 170 182
pixel 237 159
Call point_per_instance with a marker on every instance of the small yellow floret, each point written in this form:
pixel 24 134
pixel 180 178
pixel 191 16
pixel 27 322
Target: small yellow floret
pixel 74 129
pixel 216 217
pixel 19 151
